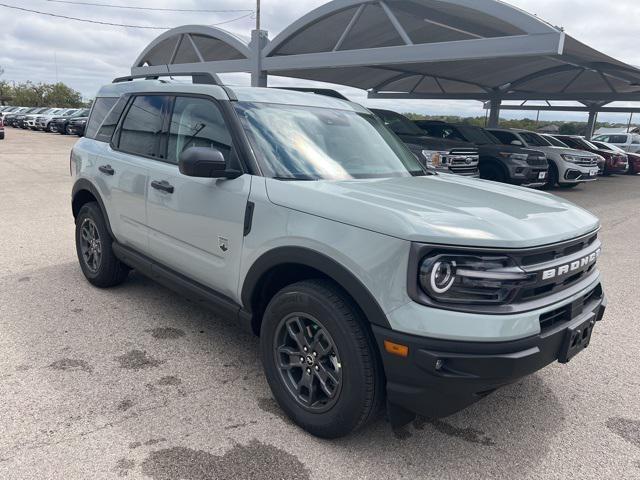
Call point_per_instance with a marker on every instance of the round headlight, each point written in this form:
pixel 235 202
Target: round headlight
pixel 442 276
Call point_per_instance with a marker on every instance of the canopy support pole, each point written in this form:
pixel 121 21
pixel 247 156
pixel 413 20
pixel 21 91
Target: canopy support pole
pixel 591 123
pixel 259 39
pixel 494 114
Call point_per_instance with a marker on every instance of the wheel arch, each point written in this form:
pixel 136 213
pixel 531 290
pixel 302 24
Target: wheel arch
pixel 290 264
pixel 84 192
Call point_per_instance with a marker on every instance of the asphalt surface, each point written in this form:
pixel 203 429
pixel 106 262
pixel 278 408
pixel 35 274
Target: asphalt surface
pixel 136 382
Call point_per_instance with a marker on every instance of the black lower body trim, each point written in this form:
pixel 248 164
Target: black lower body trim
pixel 219 304
pixel 441 377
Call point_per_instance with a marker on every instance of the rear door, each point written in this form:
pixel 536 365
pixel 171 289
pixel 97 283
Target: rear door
pixel 196 225
pixel 123 164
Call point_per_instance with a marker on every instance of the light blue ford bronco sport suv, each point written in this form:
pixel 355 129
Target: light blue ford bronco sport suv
pixel 371 281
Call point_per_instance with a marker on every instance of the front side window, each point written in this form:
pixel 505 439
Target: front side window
pixel 142 126
pixel 311 143
pixel 197 122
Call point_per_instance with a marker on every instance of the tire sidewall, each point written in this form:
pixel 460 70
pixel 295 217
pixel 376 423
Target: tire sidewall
pixel 91 211
pixel 344 416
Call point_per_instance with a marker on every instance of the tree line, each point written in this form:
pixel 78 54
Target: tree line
pixel 565 128
pixel 30 94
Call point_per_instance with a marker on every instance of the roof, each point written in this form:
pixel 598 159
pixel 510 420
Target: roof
pixel 453 49
pixel 243 94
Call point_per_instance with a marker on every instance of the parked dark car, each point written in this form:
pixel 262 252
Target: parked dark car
pixel 500 163
pixel 61 124
pixel 446 156
pixel 633 158
pixel 616 162
pixel 76 126
pixel 1 128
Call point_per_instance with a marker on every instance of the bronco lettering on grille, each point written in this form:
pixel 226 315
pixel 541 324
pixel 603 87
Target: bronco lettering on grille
pixel 571 267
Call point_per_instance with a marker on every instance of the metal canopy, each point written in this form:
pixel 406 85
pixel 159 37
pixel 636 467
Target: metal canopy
pixel 420 49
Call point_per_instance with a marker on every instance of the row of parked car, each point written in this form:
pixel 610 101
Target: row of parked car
pixel 66 121
pixel 518 157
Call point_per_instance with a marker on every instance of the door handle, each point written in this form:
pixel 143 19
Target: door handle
pixel 106 169
pixel 163 186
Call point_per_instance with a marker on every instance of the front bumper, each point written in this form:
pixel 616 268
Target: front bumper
pixel 528 176
pixel 441 377
pixel 576 173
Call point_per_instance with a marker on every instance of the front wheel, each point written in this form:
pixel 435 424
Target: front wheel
pixel 93 246
pixel 320 360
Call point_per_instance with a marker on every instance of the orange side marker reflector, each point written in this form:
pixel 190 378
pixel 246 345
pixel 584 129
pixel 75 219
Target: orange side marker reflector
pixel 396 349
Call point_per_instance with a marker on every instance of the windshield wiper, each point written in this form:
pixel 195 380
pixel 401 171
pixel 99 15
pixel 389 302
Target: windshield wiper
pixel 296 178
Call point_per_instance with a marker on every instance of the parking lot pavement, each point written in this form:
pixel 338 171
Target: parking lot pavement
pixel 136 382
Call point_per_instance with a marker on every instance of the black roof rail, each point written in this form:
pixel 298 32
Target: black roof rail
pixel 327 92
pixel 202 78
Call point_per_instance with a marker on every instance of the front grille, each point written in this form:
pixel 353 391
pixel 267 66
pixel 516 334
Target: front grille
pixel 536 160
pixel 587 162
pixel 570 311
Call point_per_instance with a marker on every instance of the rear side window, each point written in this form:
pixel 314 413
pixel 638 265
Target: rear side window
pixel 142 127
pixel 101 107
pixel 197 122
pixel 618 139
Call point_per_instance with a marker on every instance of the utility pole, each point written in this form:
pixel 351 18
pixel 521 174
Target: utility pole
pixel 257 14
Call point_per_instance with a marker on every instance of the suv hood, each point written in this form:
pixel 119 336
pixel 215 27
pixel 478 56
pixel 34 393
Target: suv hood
pixel 444 209
pixel 492 149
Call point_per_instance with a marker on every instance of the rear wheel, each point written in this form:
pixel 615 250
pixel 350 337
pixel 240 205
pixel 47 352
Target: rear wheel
pixel 93 246
pixel 320 360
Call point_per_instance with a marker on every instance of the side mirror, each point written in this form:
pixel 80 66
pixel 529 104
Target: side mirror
pixel 205 162
pixel 517 143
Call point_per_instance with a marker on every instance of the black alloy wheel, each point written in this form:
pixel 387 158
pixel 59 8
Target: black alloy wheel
pixel 308 362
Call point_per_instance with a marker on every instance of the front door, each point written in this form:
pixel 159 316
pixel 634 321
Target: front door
pixel 196 224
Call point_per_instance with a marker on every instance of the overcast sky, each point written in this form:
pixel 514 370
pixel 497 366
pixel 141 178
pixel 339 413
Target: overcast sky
pixel 85 56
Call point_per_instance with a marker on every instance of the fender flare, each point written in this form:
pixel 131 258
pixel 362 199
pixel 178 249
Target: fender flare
pixel 83 184
pixel 324 264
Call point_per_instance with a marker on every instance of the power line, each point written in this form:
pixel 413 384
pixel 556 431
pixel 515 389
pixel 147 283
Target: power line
pixel 107 5
pixel 99 22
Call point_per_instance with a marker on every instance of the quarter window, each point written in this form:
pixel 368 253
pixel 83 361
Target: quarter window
pixel 142 126
pixel 101 108
pixel 197 122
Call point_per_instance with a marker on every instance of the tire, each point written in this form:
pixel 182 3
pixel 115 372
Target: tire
pixel 100 266
pixel 50 129
pixel 493 172
pixel 358 394
pixel 67 130
pixel 552 174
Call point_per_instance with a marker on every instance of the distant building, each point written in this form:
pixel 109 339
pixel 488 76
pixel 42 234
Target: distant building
pixel 550 129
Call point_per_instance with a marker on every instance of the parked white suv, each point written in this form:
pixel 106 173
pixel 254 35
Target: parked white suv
pixel 629 142
pixel 567 167
pixel 369 280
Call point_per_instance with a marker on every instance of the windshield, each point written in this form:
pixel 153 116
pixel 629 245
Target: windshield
pixel 399 124
pixel 477 135
pixel 534 140
pixel 585 143
pixel 556 142
pixel 69 113
pixel 310 143
pixel 608 146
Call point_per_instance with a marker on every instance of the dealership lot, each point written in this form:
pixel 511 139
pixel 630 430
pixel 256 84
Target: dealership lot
pixel 139 383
